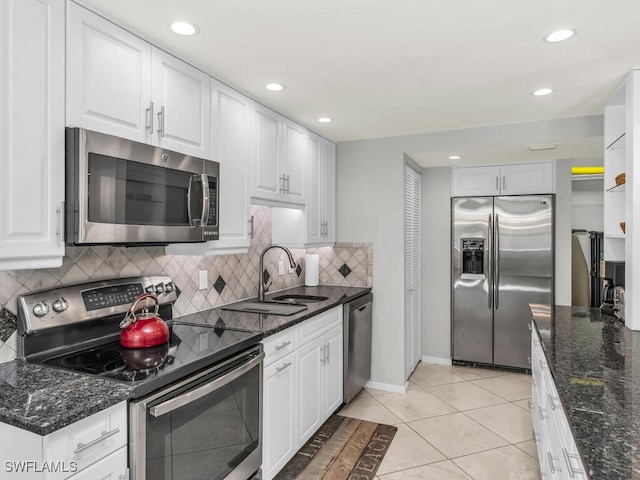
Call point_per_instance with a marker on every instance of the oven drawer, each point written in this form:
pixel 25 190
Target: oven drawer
pixel 88 440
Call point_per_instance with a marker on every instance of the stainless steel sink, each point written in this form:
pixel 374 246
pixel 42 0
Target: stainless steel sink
pixel 300 298
pixel 267 308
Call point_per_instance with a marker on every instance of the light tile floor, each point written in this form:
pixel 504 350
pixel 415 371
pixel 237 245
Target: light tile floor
pixel 455 423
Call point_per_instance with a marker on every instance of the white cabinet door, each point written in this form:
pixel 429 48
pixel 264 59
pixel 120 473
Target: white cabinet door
pixel 528 178
pixel 309 384
pixel 108 77
pixel 231 146
pixel 31 133
pixel 517 179
pixel 332 371
pixel 279 406
pixel 321 192
pixel 278 158
pixel 475 181
pixel 293 162
pixel 180 95
pixel 265 149
pixel 314 209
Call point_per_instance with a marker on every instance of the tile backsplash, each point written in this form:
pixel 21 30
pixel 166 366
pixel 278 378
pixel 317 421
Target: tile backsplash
pixel 230 277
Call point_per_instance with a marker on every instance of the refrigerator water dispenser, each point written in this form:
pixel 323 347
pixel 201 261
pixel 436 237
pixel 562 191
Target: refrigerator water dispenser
pixel 472 256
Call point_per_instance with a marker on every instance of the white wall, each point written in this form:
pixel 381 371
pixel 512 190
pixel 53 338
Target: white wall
pixel 370 196
pixel 563 233
pixel 587 205
pixel 436 263
pixel 370 199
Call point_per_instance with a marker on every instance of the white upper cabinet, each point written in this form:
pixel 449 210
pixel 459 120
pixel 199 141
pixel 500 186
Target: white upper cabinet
pixel 119 84
pixel 180 95
pixel 475 181
pixel 527 178
pixel 267 128
pixel 31 133
pixel 293 161
pixel 516 179
pixel 321 192
pixel 108 77
pixel 231 147
pixel 278 158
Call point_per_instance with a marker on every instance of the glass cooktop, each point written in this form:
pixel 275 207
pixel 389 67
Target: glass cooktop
pixel 190 348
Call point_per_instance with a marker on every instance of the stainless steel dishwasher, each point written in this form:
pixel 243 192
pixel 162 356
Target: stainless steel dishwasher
pixel 357 345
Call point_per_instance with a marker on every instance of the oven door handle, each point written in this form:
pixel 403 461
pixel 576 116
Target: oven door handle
pixel 195 394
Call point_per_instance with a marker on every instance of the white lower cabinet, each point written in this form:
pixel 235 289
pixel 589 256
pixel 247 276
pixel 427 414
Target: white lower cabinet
pixel 279 431
pixel 302 388
pixel 557 451
pixel 92 448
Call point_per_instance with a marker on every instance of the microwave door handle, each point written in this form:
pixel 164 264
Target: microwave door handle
pixel 205 199
pixel 193 395
pixel 195 178
pixel 189 214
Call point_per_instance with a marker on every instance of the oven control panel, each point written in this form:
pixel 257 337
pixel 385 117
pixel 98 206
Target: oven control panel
pixel 69 304
pixel 111 296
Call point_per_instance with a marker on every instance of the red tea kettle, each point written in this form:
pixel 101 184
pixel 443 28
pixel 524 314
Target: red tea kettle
pixel 145 330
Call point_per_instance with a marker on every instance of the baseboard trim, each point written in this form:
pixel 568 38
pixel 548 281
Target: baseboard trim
pixel 436 360
pixel 388 387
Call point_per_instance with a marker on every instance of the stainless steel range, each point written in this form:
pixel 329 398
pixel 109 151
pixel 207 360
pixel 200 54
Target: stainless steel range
pixel 197 406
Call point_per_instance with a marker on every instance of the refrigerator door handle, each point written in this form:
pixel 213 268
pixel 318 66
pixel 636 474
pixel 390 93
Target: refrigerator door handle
pixel 490 263
pixel 496 283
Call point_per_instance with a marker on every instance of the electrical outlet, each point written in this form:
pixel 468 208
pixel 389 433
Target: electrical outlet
pixel 203 280
pixel 280 267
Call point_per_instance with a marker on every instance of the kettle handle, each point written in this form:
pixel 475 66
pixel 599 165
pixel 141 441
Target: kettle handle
pixel 130 317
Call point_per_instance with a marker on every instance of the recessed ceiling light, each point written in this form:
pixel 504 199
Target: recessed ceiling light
pixel 560 36
pixel 325 119
pixel 454 157
pixel 184 28
pixel 274 87
pixel 542 92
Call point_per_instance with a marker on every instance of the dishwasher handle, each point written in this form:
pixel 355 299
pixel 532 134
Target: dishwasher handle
pixel 360 304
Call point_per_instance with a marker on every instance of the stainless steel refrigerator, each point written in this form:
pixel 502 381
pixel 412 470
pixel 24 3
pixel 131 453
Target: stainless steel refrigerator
pixel 502 260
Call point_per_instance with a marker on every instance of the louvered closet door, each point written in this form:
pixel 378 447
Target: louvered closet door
pixel 412 268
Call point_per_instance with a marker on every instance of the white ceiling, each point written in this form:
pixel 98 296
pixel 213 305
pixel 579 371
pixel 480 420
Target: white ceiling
pixel 385 68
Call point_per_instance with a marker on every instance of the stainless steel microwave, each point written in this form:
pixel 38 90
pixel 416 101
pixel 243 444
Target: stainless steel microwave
pixel 121 192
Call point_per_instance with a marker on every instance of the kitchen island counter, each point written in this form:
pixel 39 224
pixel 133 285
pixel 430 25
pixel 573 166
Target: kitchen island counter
pixel 271 324
pixel 595 363
pixel 42 399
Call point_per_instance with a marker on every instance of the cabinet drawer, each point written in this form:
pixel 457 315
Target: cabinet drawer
pixel 278 345
pixel 113 467
pixel 88 440
pixel 318 325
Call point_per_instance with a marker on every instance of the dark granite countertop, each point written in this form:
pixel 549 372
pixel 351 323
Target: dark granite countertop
pixel 270 324
pixel 43 399
pixel 595 363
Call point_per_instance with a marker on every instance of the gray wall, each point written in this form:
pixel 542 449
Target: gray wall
pixel 370 196
pixel 370 199
pixel 436 264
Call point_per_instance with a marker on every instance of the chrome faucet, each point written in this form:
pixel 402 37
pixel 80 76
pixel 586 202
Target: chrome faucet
pixel 292 262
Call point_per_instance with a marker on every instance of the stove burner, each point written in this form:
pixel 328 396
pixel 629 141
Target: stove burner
pixel 90 357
